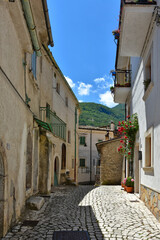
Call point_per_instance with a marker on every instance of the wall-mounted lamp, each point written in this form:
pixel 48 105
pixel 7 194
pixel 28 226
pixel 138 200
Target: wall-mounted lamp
pixel 139 155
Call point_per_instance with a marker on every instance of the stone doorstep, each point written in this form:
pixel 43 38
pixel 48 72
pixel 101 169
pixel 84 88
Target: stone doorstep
pixel 35 203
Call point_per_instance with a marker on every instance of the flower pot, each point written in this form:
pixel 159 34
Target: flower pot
pixel 122 185
pixel 125 188
pixel 130 189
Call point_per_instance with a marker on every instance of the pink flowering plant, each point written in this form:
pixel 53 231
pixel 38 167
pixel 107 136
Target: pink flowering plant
pixel 128 130
pixel 129 182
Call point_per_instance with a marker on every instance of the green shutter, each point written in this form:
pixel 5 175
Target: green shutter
pixel 82 140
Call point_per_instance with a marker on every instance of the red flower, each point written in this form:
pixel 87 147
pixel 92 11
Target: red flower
pixel 121 141
pixel 119 123
pixel 124 132
pixel 130 122
pixel 125 137
pixel 120 147
pixel 126 125
pixel 128 116
pixel 129 153
pixel 122 122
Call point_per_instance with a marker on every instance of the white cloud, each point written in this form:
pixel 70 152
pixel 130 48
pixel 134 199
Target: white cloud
pixel 70 82
pixel 80 100
pixel 98 80
pixel 84 89
pixel 107 99
pixel 104 82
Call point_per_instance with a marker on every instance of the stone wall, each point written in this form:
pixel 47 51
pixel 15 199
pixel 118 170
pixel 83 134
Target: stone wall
pixel 151 199
pixel 111 162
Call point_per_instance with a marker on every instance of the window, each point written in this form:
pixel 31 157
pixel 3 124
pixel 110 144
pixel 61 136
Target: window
pixel 82 140
pixel 47 110
pixel 33 64
pixel 69 137
pixel 149 148
pixel 54 75
pixel 82 162
pixel 66 101
pixel 58 88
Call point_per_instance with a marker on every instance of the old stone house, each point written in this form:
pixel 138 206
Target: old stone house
pixel 137 85
pixel 89 159
pixel 38 110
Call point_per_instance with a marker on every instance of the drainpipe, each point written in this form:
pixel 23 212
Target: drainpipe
pixel 75 147
pixel 91 156
pixel 31 26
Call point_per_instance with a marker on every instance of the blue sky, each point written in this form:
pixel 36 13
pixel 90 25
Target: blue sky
pixel 84 46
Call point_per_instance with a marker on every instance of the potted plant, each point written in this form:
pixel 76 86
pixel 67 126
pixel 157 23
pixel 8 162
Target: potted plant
pixel 146 83
pixel 130 184
pixel 116 33
pixel 123 183
pixel 112 89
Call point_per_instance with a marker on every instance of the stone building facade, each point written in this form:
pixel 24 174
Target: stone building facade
pixel 39 127
pixel 110 162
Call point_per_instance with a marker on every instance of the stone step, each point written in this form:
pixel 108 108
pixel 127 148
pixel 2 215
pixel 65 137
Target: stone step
pixel 35 203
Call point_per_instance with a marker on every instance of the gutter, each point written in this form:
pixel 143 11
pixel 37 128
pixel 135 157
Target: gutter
pixel 31 26
pixel 45 9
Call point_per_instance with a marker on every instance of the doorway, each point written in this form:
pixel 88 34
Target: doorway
pixel 2 182
pixel 56 171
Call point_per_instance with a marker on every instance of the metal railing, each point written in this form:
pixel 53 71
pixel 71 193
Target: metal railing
pixel 122 78
pixel 140 1
pixel 58 126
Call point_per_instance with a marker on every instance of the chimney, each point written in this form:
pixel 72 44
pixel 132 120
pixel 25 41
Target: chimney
pixel 112 126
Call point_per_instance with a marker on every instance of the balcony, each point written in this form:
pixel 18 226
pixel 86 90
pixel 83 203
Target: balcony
pixel 122 85
pixel 136 16
pixel 57 126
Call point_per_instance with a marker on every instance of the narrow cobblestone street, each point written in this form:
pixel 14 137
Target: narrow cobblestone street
pixel 106 212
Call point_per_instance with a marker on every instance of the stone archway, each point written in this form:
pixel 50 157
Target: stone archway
pixel 56 171
pixel 29 162
pixel 63 165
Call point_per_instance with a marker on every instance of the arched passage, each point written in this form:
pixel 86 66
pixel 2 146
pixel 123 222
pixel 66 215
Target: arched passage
pixel 2 182
pixel 56 171
pixel 29 162
pixel 63 166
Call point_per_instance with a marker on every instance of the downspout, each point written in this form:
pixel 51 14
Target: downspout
pixel 75 147
pixel 91 156
pixel 31 26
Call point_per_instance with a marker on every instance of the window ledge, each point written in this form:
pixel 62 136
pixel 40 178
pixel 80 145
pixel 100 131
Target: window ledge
pixel 147 92
pixel 148 169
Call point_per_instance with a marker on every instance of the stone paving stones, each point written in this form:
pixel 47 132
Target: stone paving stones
pixel 105 212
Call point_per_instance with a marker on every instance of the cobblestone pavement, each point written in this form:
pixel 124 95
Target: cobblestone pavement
pixel 106 212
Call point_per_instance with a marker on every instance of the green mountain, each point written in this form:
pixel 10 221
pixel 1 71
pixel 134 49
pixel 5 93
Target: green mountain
pixel 93 114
